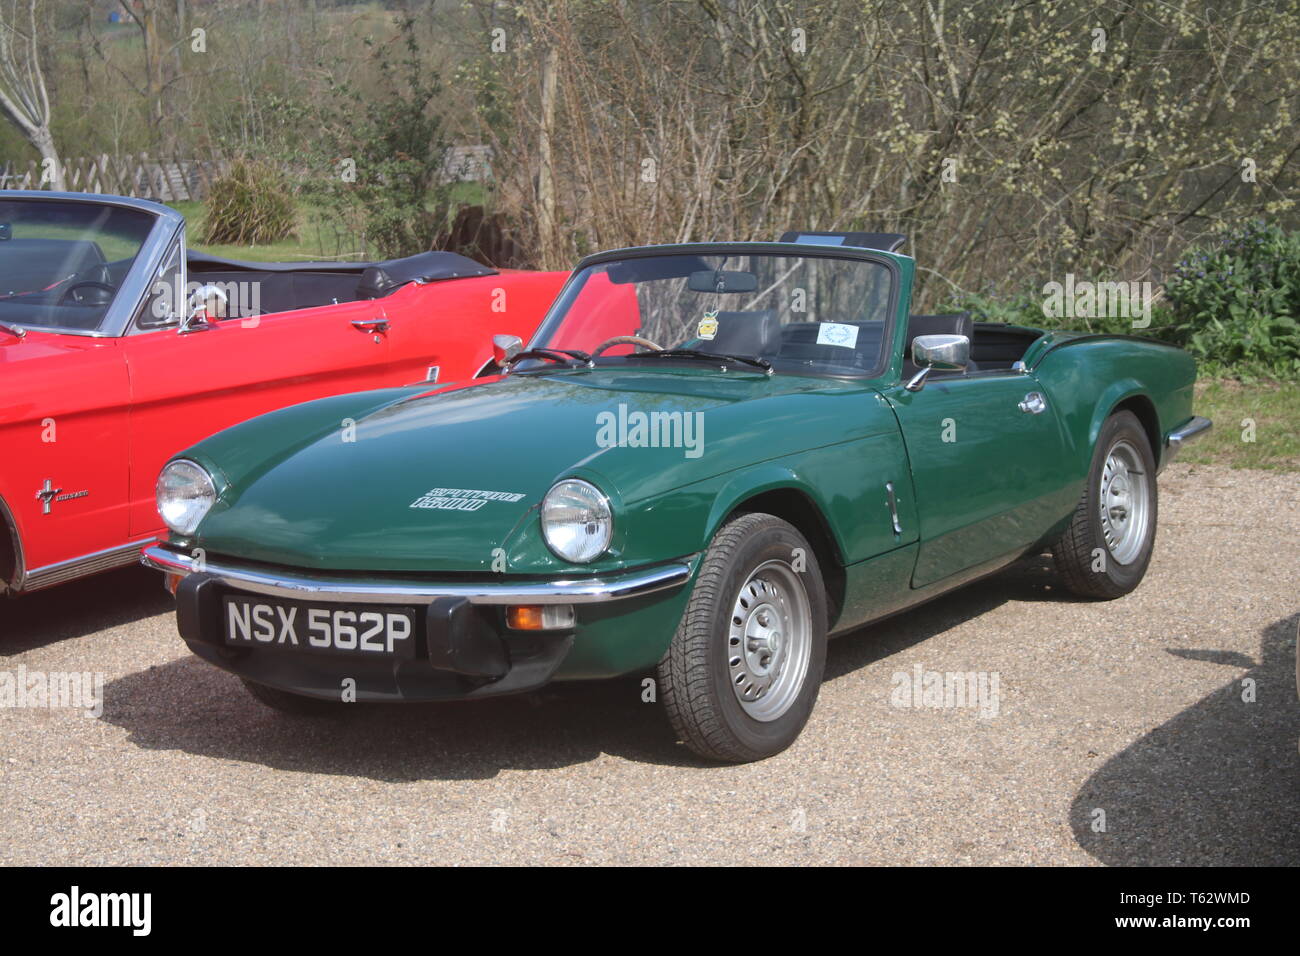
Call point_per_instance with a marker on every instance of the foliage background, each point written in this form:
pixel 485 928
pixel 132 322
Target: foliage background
pixel 1013 142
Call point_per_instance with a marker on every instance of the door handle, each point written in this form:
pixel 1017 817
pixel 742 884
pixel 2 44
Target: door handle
pixel 1034 403
pixel 892 501
pixel 370 325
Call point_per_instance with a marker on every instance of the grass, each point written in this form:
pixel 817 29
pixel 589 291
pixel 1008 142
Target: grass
pixel 315 238
pixel 1272 407
pixel 113 247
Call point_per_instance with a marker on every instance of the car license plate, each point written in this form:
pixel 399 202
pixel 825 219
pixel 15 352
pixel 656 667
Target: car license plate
pixel 360 631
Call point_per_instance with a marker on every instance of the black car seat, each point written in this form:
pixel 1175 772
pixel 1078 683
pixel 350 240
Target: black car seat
pixel 746 333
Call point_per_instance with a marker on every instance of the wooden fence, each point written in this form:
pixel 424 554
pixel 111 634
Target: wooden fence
pixel 141 176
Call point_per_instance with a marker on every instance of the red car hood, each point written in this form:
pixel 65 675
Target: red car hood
pixel 35 345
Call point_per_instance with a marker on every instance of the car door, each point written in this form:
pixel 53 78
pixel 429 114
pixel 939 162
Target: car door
pixel 988 468
pixel 64 471
pixel 185 385
pixel 442 331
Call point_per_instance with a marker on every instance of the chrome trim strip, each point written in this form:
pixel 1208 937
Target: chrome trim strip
pixel 299 585
pixel 52 574
pixel 103 199
pixel 1185 434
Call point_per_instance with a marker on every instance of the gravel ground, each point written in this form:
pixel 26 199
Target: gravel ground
pixel 1133 708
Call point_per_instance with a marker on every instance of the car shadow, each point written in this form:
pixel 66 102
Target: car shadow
pixel 189 705
pixel 1029 579
pixel 81 607
pixel 1219 784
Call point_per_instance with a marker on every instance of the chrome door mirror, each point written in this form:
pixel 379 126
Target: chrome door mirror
pixel 947 353
pixel 206 303
pixel 196 321
pixel 506 347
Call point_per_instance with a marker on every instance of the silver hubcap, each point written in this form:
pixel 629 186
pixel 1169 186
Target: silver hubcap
pixel 769 641
pixel 1125 502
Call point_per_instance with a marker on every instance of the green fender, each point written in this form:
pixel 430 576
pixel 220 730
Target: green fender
pixel 1115 393
pixel 771 476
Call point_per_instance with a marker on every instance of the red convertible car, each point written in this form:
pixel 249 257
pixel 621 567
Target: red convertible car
pixel 118 347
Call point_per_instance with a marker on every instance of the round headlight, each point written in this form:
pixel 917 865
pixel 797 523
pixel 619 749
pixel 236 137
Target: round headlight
pixel 185 493
pixel 576 521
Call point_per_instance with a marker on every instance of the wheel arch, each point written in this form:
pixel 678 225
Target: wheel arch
pixel 12 569
pixel 1145 410
pixel 782 494
pixel 1127 395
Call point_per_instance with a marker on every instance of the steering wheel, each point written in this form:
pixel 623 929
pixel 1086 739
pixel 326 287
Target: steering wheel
pixel 87 284
pixel 625 340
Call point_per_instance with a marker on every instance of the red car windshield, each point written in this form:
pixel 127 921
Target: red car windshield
pixel 61 263
pixel 817 315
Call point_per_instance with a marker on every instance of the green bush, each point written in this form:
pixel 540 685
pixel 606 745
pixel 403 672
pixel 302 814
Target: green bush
pixel 251 205
pixel 1026 308
pixel 1235 306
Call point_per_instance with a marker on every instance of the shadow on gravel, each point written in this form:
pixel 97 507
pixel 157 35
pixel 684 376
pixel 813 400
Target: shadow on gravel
pixel 191 706
pixel 1217 785
pixel 1030 579
pixel 80 608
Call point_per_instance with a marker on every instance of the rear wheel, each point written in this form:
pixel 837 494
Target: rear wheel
pixel 290 703
pixel 1105 551
pixel 743 671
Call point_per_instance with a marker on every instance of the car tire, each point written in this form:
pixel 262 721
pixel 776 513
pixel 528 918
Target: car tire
pixel 767 643
pixel 1105 551
pixel 289 703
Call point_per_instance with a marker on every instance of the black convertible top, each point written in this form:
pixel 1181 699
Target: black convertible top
pixel 287 286
pixel 376 278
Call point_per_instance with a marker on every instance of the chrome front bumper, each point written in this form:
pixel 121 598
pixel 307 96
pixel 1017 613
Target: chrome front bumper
pixel 1184 434
pixel 386 589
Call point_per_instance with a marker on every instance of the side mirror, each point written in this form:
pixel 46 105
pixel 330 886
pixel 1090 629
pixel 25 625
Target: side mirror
pixel 203 302
pixel 194 322
pixel 506 347
pixel 947 353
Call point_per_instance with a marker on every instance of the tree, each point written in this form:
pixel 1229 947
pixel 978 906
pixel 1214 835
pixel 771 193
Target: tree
pixel 23 95
pixel 146 17
pixel 385 149
pixel 1011 142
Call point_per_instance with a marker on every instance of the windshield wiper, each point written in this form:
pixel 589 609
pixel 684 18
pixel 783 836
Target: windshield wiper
pixel 755 361
pixel 16 331
pixel 550 355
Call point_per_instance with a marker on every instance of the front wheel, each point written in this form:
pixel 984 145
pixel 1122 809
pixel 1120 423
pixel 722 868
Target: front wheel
pixel 1105 551
pixel 743 671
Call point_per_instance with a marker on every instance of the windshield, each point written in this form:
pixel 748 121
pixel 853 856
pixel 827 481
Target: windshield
pixel 61 263
pixel 815 315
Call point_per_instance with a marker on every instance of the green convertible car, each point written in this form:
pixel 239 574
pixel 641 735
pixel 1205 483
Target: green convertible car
pixel 710 458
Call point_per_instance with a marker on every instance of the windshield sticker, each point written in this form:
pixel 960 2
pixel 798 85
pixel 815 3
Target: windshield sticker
pixel 835 333
pixel 708 327
pixel 461 499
